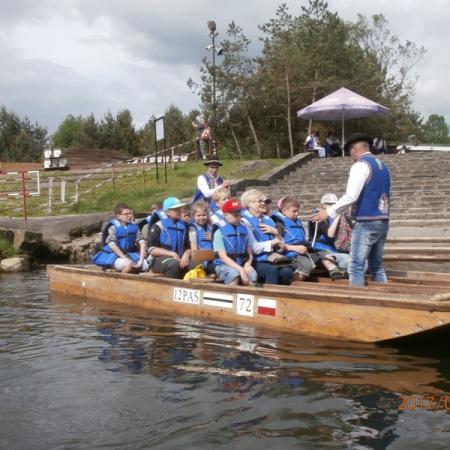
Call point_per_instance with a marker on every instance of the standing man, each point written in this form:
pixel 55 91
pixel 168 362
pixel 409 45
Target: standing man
pixel 209 182
pixel 368 190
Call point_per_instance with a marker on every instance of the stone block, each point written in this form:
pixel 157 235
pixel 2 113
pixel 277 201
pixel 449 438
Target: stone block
pixel 14 264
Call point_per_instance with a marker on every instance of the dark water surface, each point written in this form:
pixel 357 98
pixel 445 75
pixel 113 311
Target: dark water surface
pixel 77 375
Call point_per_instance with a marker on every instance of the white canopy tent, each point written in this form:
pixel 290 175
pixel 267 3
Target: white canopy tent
pixel 341 105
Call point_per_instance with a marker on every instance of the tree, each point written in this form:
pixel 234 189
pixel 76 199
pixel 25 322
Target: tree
pixel 20 140
pixel 125 133
pixel 436 130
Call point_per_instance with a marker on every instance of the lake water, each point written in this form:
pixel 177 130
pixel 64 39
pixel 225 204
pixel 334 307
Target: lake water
pixel 77 375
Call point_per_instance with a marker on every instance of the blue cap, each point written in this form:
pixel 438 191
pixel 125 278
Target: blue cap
pixel 172 203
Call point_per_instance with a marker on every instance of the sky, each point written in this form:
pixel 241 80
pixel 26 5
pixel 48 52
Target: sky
pixel 61 57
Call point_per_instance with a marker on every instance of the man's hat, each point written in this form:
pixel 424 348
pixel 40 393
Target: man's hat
pixel 214 161
pixel 232 206
pixel 357 137
pixel 172 203
pixel 329 198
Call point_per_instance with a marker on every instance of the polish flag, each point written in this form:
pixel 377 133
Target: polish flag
pixel 267 307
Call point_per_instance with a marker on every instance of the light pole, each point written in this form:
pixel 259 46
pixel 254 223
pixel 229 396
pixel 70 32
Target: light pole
pixel 213 34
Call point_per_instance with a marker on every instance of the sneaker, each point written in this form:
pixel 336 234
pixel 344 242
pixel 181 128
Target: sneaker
pixel 337 274
pixel 297 276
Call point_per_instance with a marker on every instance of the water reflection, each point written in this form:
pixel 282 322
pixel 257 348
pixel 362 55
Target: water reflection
pixel 77 374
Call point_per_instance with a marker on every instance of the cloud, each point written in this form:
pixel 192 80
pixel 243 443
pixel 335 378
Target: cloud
pixel 81 56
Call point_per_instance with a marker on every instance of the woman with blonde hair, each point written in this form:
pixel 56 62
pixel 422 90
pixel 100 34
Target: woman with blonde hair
pixel 264 240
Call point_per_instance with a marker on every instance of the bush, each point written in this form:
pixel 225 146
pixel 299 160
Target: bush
pixel 6 249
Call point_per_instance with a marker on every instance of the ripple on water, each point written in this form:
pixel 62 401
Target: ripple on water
pixel 78 375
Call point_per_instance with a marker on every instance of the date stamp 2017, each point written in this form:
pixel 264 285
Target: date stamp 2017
pixel 426 402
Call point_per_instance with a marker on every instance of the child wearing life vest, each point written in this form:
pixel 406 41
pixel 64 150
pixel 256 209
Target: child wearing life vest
pixel 168 241
pixel 200 232
pixel 219 197
pixel 304 257
pixel 124 247
pixel 322 234
pixel 234 257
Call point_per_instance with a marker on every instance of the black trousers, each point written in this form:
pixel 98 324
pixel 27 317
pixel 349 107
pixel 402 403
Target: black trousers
pixel 170 267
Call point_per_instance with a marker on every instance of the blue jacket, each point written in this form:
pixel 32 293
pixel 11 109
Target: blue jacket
pixel 294 233
pixel 258 233
pixel 126 241
pixel 198 195
pixel 373 202
pixel 235 238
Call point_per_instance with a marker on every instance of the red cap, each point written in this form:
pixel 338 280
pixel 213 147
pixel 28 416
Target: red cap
pixel 232 206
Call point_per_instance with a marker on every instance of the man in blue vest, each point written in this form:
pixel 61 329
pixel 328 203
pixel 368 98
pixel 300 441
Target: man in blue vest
pixel 368 191
pixel 209 182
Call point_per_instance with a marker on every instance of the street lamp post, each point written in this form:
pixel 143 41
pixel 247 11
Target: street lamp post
pixel 213 34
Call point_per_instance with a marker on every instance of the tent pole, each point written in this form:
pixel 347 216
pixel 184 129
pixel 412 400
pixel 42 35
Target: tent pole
pixel 343 135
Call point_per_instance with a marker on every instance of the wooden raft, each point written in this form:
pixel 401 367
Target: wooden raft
pixel 410 304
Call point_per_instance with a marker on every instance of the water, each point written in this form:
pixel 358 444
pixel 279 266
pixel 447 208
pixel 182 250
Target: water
pixel 77 375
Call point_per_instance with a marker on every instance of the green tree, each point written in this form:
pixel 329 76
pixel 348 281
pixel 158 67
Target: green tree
pixel 127 138
pixel 176 129
pixel 20 140
pixel 436 130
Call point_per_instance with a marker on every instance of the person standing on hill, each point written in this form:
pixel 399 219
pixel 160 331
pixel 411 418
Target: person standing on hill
pixel 368 191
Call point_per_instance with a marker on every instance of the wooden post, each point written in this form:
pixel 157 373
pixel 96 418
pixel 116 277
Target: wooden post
pixel 63 190
pixel 50 194
pixel 77 190
pixel 113 177
pixel 24 195
pixel 143 171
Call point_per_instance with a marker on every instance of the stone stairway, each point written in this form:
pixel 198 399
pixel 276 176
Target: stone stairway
pixel 419 237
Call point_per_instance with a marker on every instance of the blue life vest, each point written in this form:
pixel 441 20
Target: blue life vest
pixel 216 217
pixel 126 241
pixel 202 243
pixel 323 241
pixel 235 239
pixel 258 233
pixel 373 202
pixel 294 233
pixel 198 195
pixel 173 233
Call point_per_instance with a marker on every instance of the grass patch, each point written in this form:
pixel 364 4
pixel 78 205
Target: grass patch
pixel 130 187
pixel 6 249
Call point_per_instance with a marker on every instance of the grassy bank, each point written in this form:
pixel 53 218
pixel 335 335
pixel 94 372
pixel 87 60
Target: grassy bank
pixel 7 249
pixel 130 187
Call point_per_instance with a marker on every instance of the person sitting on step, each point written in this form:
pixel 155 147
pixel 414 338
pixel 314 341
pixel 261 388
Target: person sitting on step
pixel 231 244
pixel 168 241
pixel 124 247
pixel 304 257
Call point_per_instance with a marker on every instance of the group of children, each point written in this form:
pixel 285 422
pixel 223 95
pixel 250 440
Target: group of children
pixel 249 243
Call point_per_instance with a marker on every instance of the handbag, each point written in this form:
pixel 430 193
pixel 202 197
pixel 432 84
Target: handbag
pixel 343 239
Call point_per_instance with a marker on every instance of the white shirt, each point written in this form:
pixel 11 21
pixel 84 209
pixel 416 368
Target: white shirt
pixel 359 173
pixel 202 185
